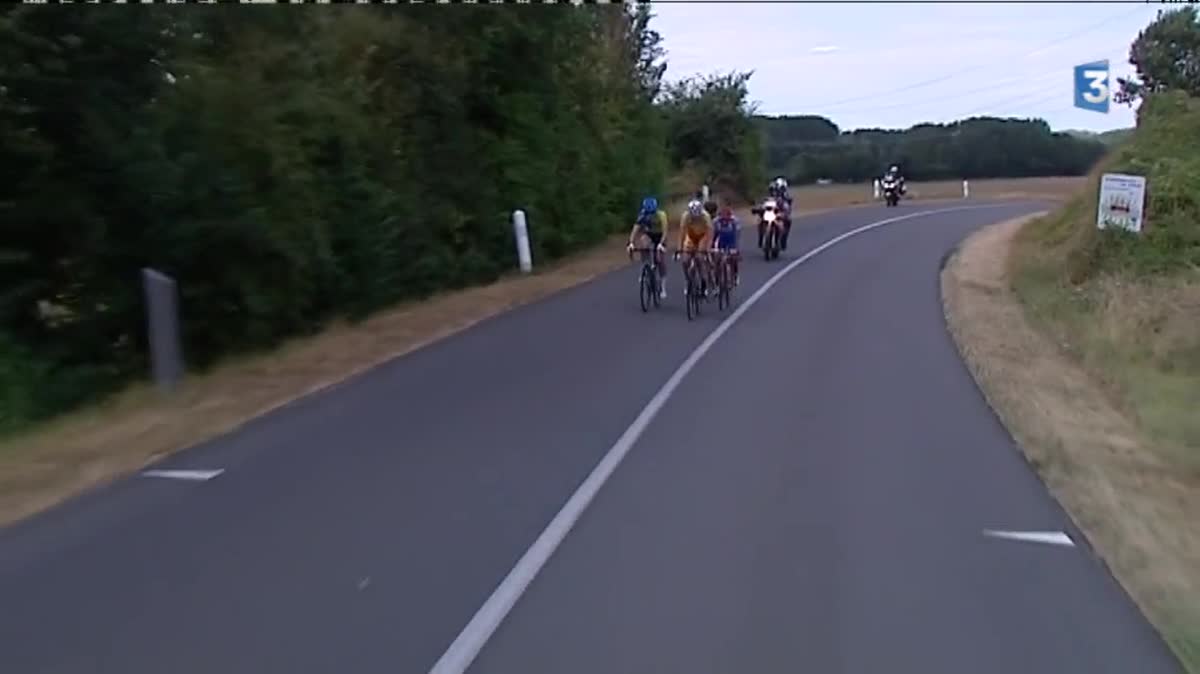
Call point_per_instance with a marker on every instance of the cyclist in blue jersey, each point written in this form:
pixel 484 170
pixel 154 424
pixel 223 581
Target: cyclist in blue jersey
pixel 725 238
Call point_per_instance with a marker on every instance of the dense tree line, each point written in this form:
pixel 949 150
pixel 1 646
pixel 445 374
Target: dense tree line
pixel 808 148
pixel 291 166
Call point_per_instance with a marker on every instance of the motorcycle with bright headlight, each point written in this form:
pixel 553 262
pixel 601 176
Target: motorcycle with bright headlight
pixel 770 228
pixel 891 191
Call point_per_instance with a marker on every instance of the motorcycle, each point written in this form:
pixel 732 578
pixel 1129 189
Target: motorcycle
pixel 771 226
pixel 891 191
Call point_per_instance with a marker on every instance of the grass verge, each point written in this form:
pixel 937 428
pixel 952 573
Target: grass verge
pixel 1067 370
pixel 78 451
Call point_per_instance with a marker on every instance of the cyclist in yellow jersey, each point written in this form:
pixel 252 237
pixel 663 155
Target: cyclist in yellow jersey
pixel 652 225
pixel 695 237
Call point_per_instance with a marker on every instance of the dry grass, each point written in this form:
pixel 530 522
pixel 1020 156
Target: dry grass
pixel 84 449
pixel 834 196
pixel 1133 491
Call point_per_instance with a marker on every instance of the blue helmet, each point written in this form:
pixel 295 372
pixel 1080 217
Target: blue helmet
pixel 649 205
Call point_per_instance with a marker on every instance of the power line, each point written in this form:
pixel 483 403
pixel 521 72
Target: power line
pixel 943 78
pixel 1037 79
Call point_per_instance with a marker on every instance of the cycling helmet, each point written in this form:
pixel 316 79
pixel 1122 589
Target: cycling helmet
pixel 726 213
pixel 695 207
pixel 649 205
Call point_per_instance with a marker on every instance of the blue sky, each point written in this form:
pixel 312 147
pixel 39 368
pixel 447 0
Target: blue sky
pixel 1006 60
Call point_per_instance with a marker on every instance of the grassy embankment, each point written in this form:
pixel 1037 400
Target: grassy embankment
pixel 1088 345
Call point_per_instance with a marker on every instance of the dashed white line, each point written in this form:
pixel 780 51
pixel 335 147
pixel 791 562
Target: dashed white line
pixel 462 652
pixel 1048 537
pixel 193 475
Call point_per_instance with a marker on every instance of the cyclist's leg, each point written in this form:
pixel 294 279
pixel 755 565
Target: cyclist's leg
pixel 660 263
pixel 659 258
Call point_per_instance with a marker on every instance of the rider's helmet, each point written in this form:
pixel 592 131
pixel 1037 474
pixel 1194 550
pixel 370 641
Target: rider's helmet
pixel 649 205
pixel 711 207
pixel 695 208
pixel 781 184
pixel 894 170
pixel 726 213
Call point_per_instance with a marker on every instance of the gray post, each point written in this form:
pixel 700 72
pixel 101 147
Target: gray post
pixel 162 322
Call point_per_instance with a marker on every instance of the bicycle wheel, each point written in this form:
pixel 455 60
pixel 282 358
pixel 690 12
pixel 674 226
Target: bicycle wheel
pixel 691 293
pixel 646 290
pixel 655 287
pixel 725 285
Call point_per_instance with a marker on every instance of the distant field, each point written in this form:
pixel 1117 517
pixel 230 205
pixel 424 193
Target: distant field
pixel 831 196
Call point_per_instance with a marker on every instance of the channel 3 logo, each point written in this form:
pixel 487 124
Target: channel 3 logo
pixel 1091 86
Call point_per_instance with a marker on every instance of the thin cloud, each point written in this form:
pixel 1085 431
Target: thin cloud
pixel 824 49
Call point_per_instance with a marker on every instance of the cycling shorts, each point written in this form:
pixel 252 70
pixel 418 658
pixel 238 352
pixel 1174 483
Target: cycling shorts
pixel 725 239
pixel 693 240
pixel 655 237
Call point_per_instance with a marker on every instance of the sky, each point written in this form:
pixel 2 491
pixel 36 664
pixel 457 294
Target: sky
pixel 896 65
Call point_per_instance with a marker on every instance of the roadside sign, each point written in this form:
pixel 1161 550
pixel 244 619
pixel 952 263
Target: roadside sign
pixel 1122 200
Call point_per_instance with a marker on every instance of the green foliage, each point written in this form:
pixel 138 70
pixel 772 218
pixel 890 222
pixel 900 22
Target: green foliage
pixel 1166 55
pixel 709 125
pixel 1110 138
pixel 1165 149
pixel 289 167
pixel 807 149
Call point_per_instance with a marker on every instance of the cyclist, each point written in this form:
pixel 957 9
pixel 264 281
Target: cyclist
pixel 725 238
pixel 695 234
pixel 651 224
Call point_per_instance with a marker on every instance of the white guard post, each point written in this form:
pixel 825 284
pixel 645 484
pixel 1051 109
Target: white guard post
pixel 877 188
pixel 966 189
pixel 522 235
pixel 705 191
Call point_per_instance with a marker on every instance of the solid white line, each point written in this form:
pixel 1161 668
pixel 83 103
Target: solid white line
pixel 195 475
pixel 1050 537
pixel 471 640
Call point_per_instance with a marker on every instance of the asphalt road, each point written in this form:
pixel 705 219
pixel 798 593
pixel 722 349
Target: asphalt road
pixel 810 499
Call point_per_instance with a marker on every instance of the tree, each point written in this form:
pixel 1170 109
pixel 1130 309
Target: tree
pixel 709 124
pixel 1166 55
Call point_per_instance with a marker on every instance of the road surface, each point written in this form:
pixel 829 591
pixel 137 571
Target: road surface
pixel 811 498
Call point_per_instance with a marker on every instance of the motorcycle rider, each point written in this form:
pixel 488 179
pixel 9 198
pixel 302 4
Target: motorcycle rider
pixel 777 189
pixel 893 173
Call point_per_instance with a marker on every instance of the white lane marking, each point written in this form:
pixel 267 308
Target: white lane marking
pixel 194 475
pixel 1048 537
pixel 470 641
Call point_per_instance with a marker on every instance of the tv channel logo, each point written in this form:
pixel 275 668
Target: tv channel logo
pixel 1091 86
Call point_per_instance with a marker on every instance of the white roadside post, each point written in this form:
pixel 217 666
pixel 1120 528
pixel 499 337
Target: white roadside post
pixel 876 184
pixel 704 190
pixel 522 235
pixel 966 189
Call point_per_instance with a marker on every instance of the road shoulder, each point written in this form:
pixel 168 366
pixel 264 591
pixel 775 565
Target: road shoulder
pixel 1133 507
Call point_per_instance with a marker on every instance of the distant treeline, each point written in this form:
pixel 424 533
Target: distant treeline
pixel 291 166
pixel 810 148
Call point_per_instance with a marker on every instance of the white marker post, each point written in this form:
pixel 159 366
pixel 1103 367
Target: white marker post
pixel 522 235
pixel 877 188
pixel 966 189
pixel 704 190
